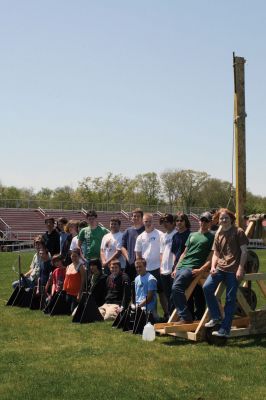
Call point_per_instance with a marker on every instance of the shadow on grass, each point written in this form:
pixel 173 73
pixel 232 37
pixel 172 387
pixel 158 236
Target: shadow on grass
pixel 249 341
pixel 175 341
pixel 244 342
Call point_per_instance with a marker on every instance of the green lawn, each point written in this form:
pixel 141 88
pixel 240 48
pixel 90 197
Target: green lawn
pixel 51 358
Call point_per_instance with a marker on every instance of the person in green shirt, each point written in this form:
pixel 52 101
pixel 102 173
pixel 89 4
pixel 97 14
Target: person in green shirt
pixel 195 259
pixel 90 238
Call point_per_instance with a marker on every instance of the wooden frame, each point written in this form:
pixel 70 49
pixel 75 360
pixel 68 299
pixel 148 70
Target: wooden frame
pixel 254 322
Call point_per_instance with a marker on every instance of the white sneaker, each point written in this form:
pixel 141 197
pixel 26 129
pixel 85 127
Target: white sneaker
pixel 221 333
pixel 212 323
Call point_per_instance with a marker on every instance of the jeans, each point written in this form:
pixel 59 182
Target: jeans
pixel 182 281
pixel 209 287
pixel 167 283
pixel 25 282
pixel 196 303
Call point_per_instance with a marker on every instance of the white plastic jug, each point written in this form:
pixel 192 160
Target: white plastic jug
pixel 148 332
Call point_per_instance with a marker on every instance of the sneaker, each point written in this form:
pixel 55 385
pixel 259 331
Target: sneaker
pixel 212 323
pixel 221 333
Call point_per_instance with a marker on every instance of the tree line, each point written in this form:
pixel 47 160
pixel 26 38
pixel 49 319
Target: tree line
pixel 178 189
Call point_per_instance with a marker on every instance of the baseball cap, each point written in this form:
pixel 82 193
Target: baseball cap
pixel 206 216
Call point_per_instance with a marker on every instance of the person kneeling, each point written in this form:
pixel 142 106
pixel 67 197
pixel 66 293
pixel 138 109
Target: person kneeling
pixel 74 280
pixel 145 288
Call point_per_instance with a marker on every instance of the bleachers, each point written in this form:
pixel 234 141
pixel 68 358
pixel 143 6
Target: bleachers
pixel 69 214
pixel 24 224
pixel 20 223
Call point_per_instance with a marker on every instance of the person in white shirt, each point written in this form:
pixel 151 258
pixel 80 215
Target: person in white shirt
pixel 111 245
pixel 148 247
pixel 167 257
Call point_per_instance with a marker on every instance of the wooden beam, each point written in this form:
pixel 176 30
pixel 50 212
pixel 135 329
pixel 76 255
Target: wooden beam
pixel 262 287
pixel 174 317
pixel 243 302
pixel 239 332
pixel 255 276
pixel 241 322
pixel 240 138
pixel 181 328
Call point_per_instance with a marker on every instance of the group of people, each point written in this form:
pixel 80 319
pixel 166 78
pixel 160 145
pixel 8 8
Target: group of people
pixel 118 268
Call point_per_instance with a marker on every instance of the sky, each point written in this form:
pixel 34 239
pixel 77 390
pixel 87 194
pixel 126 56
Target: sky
pixel 128 87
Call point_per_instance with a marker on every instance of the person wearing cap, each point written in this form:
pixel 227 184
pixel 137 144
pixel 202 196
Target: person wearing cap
pixel 91 236
pixel 167 256
pixel 195 259
pixel 51 237
pixel 228 263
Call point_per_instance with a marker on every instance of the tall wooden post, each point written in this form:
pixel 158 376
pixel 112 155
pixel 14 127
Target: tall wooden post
pixel 240 138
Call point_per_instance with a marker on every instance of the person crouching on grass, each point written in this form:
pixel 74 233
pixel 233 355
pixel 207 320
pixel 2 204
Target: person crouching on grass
pixel 228 262
pixel 74 280
pixel 55 282
pixel 145 288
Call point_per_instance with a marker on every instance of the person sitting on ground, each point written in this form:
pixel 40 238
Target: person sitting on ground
pixel 195 259
pixel 97 281
pixel 228 263
pixel 145 288
pixel 30 278
pixel 118 292
pixel 74 280
pixel 51 237
pixel 45 270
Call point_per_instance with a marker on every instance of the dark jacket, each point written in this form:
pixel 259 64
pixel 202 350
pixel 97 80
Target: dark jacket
pixel 118 290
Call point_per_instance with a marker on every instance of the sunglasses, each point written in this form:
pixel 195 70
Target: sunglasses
pixel 179 220
pixel 204 220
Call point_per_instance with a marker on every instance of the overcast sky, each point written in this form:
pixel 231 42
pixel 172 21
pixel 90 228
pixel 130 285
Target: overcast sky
pixel 88 87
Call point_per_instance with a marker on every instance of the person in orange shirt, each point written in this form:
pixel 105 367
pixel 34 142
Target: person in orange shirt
pixel 74 280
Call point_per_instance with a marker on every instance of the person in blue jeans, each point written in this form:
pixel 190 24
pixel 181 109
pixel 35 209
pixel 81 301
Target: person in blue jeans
pixel 194 260
pixel 228 263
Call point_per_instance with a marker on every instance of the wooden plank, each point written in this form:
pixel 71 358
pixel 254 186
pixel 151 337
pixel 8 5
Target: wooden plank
pixel 162 325
pixel 183 328
pixel 239 332
pixel 243 302
pixel 184 335
pixel 258 321
pixel 174 317
pixel 241 322
pixel 255 276
pixel 219 291
pixel 262 287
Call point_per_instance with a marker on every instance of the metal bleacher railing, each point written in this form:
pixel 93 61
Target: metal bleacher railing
pixel 108 207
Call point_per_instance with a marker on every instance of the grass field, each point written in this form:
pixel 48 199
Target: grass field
pixel 44 357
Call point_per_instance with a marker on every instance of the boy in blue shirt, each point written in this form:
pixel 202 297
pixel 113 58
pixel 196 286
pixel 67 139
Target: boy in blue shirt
pixel 145 288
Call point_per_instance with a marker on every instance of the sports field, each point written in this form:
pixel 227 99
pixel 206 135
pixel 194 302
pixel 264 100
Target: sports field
pixel 44 357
